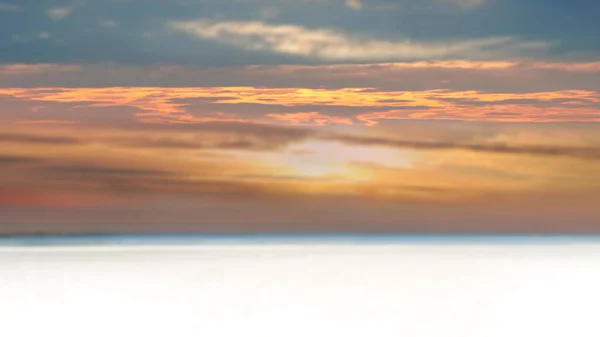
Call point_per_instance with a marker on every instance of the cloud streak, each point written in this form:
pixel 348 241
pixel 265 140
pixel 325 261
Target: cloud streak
pixel 498 75
pixel 103 171
pixel 10 160
pixel 588 153
pixel 269 138
pixel 326 44
pixel 38 139
pixel 21 69
pixel 141 173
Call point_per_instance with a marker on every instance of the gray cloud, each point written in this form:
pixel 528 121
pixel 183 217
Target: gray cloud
pixel 6 7
pixel 121 181
pixel 270 137
pixel 466 3
pixel 273 137
pixel 158 142
pixel 519 77
pixel 232 143
pixel 115 180
pixel 9 159
pixel 103 171
pixel 591 153
pixel 29 138
pixel 270 132
pixel 266 137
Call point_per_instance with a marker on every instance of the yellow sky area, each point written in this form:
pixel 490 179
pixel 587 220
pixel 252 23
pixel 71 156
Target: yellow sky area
pixel 105 166
pixel 160 103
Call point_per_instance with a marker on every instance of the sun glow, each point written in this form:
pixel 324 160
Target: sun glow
pixel 330 159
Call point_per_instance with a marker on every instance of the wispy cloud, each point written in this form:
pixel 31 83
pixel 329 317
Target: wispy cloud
pixel 589 153
pixel 586 152
pixel 108 23
pixel 59 13
pixel 6 7
pixel 487 76
pixel 466 3
pixel 333 45
pixel 37 139
pixel 35 69
pixel 354 4
pixel 104 171
pixel 217 167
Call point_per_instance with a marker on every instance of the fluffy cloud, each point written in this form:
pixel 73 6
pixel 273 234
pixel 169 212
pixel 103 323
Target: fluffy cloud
pixel 326 44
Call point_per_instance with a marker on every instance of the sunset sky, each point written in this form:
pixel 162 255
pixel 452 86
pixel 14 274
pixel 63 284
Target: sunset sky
pixel 299 116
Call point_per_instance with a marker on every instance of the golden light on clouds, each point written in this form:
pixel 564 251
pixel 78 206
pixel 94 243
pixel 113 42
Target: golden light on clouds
pixel 171 104
pixel 299 116
pixel 419 146
pixel 131 162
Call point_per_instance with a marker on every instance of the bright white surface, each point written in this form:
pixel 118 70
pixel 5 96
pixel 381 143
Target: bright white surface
pixel 304 290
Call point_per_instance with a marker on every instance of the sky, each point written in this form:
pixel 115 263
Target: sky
pixel 299 116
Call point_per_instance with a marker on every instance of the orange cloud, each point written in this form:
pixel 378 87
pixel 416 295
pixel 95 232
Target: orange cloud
pixel 169 104
pixel 310 118
pixel 506 113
